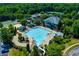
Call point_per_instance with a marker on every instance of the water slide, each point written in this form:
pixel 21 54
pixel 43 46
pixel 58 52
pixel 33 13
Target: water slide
pixel 42 50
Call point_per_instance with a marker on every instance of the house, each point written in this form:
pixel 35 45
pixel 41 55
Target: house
pixel 52 22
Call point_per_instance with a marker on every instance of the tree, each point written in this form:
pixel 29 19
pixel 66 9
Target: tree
pixel 35 51
pixel 65 26
pixel 67 22
pixel 76 28
pixel 24 50
pixel 19 36
pixel 38 22
pixel 44 16
pixel 68 31
pixel 18 52
pixel 23 22
pixel 28 46
pixel 6 35
pixel 13 11
pixel 12 29
pixel 1 25
pixel 58 40
pixel 54 49
pixel 60 25
pixel 56 46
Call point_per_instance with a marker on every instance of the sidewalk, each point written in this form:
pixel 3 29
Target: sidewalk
pixel 17 43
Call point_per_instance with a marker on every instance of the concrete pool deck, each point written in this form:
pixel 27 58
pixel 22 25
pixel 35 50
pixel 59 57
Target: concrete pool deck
pixel 17 43
pixel 49 37
pixel 45 42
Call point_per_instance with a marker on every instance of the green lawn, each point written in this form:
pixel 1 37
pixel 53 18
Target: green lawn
pixel 16 52
pixel 69 44
pixel 73 41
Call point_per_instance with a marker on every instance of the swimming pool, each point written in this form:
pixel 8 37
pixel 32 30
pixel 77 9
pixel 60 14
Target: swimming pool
pixel 38 34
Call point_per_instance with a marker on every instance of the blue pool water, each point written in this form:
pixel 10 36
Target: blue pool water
pixel 38 34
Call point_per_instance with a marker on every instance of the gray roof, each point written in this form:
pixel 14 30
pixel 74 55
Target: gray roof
pixel 53 20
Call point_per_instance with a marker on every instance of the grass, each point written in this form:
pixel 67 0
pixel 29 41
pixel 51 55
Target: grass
pixel 68 44
pixel 16 52
pixel 73 41
pixel 71 49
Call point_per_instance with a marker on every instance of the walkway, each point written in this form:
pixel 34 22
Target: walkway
pixel 17 43
pixel 64 53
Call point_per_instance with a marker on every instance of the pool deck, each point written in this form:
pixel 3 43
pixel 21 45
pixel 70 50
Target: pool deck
pixel 49 37
pixel 17 43
pixel 45 42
